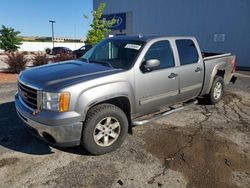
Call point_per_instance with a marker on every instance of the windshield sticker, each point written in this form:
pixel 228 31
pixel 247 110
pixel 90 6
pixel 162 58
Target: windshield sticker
pixel 133 46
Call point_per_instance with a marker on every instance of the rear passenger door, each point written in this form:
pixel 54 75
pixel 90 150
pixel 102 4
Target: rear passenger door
pixel 191 69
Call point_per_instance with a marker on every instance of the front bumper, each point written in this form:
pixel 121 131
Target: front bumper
pixel 59 129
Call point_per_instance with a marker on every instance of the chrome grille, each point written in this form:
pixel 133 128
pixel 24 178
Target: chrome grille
pixel 28 95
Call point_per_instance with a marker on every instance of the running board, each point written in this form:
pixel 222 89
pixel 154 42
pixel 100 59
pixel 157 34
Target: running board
pixel 166 113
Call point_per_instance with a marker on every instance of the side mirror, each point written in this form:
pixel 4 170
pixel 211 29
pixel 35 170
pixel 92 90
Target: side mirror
pixel 151 64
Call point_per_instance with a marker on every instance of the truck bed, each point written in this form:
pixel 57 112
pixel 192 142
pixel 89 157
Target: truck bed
pixel 209 55
pixel 224 63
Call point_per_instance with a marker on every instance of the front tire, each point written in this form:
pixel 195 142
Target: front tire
pixel 105 129
pixel 217 91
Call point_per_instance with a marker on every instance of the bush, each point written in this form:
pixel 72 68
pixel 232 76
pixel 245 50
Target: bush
pixel 40 59
pixel 16 62
pixel 63 57
pixel 25 53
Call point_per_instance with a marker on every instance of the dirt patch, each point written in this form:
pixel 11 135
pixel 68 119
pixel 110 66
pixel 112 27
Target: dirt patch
pixel 76 174
pixel 8 78
pixel 204 158
pixel 239 108
pixel 8 161
pixel 230 96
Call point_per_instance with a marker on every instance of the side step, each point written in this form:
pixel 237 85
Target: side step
pixel 166 113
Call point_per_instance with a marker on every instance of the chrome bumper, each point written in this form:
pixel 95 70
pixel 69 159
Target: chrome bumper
pixel 64 135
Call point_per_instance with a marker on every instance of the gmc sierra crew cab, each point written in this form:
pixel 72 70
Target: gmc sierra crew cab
pixel 94 101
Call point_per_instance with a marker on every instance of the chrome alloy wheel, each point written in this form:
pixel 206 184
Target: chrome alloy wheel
pixel 217 90
pixel 107 131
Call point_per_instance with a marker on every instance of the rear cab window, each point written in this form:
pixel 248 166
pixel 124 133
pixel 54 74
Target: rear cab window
pixel 187 51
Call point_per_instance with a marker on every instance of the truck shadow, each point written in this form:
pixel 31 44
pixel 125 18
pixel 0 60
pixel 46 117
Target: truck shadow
pixel 78 150
pixel 14 136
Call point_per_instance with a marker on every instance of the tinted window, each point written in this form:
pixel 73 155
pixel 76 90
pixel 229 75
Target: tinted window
pixel 108 51
pixel 187 52
pixel 162 51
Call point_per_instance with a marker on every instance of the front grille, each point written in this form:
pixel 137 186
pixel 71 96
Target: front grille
pixel 28 95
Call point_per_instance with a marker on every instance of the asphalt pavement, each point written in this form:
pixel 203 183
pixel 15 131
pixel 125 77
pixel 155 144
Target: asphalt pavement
pixel 202 146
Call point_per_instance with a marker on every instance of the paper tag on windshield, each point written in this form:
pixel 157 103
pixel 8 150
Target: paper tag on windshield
pixel 133 46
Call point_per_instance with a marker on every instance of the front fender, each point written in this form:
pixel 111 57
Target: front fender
pixel 101 93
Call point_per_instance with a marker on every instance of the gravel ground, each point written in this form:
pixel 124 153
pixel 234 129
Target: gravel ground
pixel 8 78
pixel 203 146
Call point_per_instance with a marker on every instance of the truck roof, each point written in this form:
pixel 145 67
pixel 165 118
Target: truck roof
pixel 146 38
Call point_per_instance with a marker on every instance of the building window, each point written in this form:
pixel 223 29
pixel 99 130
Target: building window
pixel 187 51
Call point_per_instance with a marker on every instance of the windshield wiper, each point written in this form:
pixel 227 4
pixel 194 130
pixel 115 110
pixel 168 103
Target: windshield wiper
pixel 101 62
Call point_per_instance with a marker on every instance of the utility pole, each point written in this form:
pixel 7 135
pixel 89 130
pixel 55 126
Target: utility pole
pixel 52 25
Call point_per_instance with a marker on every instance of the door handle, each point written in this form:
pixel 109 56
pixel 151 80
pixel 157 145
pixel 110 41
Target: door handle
pixel 172 76
pixel 198 69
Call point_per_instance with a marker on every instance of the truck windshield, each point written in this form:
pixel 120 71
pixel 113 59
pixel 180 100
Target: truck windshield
pixel 115 53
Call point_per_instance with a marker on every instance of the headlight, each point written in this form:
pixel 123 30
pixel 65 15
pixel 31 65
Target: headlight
pixel 56 101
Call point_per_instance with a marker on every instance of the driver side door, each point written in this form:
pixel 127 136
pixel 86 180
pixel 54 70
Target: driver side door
pixel 160 87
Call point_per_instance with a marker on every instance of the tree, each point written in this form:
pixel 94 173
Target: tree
pixel 8 39
pixel 99 26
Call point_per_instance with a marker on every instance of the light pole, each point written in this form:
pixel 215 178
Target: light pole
pixel 52 25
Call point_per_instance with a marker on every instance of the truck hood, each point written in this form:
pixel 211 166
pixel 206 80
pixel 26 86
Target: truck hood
pixel 57 75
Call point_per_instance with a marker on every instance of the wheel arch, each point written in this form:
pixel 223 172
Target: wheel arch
pixel 120 101
pixel 218 70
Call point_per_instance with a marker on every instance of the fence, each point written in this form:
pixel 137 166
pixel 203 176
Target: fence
pixel 41 46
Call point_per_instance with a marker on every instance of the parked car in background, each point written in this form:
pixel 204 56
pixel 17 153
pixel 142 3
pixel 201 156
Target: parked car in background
pixel 48 51
pixel 61 50
pixel 81 51
pixel 95 100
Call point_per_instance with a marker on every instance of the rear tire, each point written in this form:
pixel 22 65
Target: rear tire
pixel 105 129
pixel 217 91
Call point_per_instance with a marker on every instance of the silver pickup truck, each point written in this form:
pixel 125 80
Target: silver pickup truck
pixel 94 101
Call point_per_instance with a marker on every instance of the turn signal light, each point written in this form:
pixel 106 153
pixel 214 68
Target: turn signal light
pixel 63 102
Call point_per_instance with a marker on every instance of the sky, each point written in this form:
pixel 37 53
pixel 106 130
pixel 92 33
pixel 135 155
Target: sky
pixel 31 17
